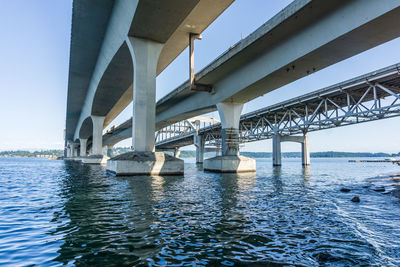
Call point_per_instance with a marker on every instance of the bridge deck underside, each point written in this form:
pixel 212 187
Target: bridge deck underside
pixel 369 97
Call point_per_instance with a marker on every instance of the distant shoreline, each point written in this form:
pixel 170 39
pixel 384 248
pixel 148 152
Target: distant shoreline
pixel 190 154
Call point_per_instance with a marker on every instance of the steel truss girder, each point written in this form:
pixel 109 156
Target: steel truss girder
pixel 364 101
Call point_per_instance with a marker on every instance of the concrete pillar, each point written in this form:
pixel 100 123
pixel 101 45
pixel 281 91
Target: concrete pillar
pixel 229 114
pixel 144 160
pixel 109 151
pixel 83 143
pixel 199 144
pixel 217 151
pixel 145 57
pixel 69 154
pixel 276 150
pixel 305 153
pixel 97 145
pixel 230 160
pixel 177 152
pixel 73 149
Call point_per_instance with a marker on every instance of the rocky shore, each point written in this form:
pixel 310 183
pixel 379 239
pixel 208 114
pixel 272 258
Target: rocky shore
pixel 383 184
pixel 388 184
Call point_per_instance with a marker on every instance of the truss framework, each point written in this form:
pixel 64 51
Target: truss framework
pixel 374 96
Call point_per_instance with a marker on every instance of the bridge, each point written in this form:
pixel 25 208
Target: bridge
pixel 373 96
pixel 131 42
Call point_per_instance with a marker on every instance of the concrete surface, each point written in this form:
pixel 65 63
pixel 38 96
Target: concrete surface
pixel 230 164
pixel 145 163
pixel 95 159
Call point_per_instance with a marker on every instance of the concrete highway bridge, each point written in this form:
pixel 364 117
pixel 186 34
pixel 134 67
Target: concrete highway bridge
pixel 119 47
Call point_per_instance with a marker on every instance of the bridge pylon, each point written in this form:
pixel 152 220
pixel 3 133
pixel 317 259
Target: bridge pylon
pixel 230 160
pixel 144 160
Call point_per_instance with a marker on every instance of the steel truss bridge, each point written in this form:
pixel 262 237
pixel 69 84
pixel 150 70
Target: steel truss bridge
pixel 369 97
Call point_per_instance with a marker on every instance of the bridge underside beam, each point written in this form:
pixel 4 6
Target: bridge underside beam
pixel 295 43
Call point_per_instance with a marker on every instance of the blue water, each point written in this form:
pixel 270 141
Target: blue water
pixel 63 213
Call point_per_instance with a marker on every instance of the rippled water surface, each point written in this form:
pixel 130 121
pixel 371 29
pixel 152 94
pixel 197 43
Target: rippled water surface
pixel 57 213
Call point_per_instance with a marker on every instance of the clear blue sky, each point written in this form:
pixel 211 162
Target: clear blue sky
pixel 34 55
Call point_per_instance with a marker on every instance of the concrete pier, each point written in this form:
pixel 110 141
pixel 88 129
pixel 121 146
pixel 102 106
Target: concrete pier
pixel 69 150
pixel 305 152
pixel 230 161
pixel 96 156
pixel 276 148
pixel 199 144
pixel 109 151
pixel 97 146
pixel 83 144
pixel 72 151
pixel 177 152
pixel 144 160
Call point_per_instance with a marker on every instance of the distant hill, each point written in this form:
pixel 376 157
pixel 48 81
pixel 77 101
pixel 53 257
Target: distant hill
pixel 30 154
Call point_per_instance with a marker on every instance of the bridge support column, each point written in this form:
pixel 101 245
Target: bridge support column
pixel 177 152
pixel 75 154
pixel 73 150
pixel 69 153
pixel 97 145
pixel 230 160
pixel 109 150
pixel 96 157
pixel 276 150
pixel 199 144
pixel 83 143
pixel 305 153
pixel 144 160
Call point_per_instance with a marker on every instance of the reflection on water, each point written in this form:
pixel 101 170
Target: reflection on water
pixel 56 213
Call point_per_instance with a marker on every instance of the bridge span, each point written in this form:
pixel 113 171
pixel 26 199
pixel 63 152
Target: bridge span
pixel 119 47
pixel 373 96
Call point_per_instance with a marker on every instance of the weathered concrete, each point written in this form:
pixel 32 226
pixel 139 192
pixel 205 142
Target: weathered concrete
pixel 97 144
pixel 69 150
pixel 305 152
pixel 95 159
pixel 145 55
pixel 230 164
pixel 83 145
pixel 276 150
pixel 199 144
pixel 109 151
pixel 145 163
pixel 74 150
pixel 144 160
pixel 229 114
pixel 177 152
pixel 230 161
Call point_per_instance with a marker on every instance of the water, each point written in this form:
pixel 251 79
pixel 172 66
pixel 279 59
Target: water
pixel 64 213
